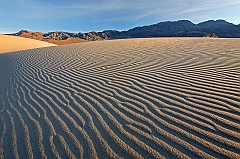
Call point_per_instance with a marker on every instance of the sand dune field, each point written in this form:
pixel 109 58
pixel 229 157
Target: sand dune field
pixel 15 43
pixel 134 98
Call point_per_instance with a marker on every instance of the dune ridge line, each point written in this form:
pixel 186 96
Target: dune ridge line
pixel 15 43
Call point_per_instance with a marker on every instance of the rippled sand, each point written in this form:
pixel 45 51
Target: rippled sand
pixel 135 98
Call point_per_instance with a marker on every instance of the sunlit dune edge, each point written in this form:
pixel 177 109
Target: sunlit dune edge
pixel 68 41
pixel 132 98
pixel 14 43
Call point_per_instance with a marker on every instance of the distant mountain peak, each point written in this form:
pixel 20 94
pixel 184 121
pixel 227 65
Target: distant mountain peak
pixel 180 28
pixel 216 22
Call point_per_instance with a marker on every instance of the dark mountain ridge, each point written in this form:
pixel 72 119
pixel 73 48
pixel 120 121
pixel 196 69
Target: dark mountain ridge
pixel 181 28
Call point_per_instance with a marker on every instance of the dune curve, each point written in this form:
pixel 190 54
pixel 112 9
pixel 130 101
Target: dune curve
pixel 15 43
pixel 134 98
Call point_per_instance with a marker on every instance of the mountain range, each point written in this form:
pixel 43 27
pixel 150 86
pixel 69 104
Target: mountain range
pixel 181 28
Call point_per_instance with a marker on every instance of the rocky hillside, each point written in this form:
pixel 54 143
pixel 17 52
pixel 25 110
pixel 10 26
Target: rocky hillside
pixel 181 28
pixel 29 34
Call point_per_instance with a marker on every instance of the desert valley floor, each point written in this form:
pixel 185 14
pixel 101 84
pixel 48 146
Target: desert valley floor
pixel 134 98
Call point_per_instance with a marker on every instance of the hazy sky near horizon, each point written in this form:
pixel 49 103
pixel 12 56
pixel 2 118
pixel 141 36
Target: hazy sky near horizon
pixel 99 15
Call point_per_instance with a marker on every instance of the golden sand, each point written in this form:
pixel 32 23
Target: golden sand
pixel 14 43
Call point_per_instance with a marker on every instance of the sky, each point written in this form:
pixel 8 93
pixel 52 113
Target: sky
pixel 98 15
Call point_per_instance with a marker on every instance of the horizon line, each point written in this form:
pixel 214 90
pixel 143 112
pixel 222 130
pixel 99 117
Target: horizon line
pixel 71 31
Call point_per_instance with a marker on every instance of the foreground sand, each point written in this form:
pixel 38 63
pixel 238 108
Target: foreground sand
pixel 14 43
pixel 136 98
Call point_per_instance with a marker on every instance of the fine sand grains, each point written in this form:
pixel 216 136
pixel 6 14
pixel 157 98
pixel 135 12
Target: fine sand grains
pixel 134 98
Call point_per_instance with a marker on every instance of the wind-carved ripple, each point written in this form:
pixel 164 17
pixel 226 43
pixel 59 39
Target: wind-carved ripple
pixel 132 98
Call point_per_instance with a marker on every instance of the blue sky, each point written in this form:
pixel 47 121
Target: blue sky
pixel 99 15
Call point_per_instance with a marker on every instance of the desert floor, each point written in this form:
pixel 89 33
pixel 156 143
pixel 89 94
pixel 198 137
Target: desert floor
pixel 15 43
pixel 134 98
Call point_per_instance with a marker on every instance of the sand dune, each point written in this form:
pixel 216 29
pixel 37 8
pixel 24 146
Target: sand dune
pixel 14 43
pixel 135 98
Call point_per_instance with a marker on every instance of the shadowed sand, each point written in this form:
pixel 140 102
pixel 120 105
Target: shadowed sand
pixel 14 43
pixel 135 98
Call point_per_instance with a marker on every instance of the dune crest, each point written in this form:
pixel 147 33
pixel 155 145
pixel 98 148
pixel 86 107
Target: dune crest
pixel 135 98
pixel 14 43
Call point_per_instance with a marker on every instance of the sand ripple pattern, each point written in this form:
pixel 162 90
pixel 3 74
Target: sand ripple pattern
pixel 135 98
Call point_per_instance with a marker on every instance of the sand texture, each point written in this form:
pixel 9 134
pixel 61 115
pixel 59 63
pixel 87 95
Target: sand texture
pixel 135 98
pixel 68 41
pixel 15 43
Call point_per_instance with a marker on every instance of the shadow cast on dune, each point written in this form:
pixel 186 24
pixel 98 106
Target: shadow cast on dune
pixel 135 98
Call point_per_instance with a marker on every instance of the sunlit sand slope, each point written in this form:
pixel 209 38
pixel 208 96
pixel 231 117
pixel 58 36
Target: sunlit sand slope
pixel 135 98
pixel 14 43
